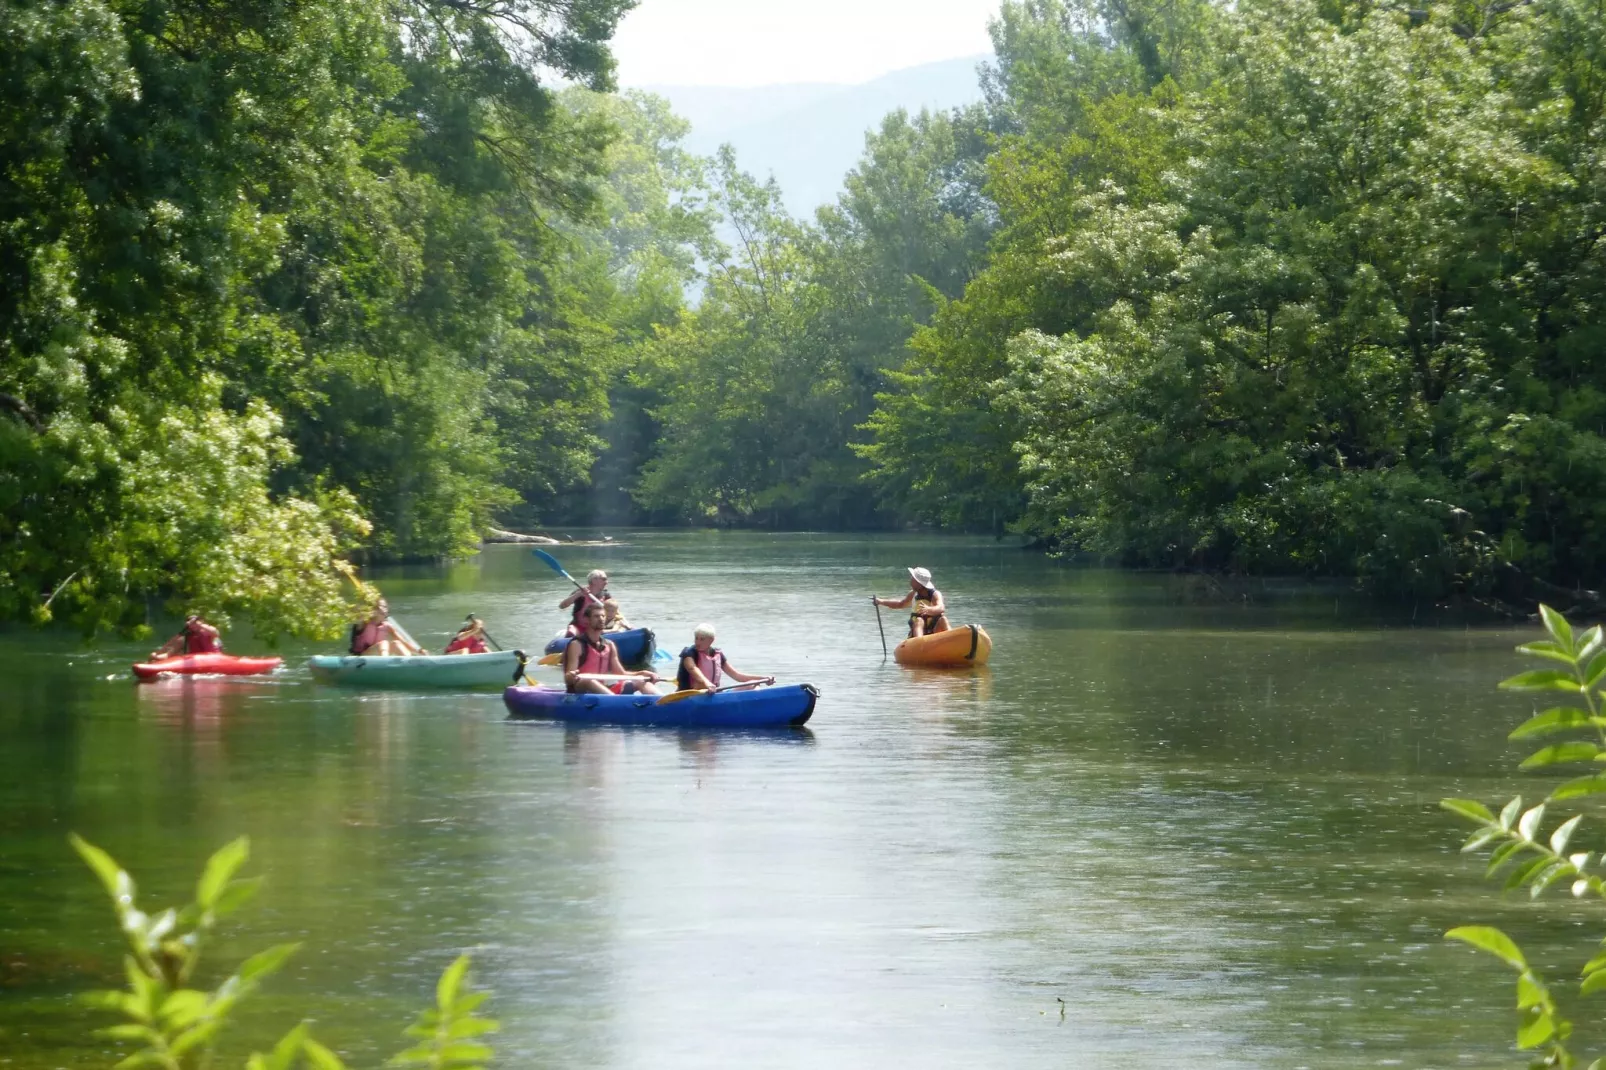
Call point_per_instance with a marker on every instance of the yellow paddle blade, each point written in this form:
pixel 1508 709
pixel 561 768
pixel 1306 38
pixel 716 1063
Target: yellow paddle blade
pixel 676 696
pixel 550 659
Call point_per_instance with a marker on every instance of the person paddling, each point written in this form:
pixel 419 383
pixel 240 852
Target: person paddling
pixel 590 654
pixel 702 663
pixel 594 593
pixel 377 636
pixel 196 637
pixel 470 639
pixel 930 613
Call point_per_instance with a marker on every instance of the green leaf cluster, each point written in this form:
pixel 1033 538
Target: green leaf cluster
pixel 1522 853
pixel 173 1025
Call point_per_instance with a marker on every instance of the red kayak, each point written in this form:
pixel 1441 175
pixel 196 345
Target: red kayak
pixel 197 664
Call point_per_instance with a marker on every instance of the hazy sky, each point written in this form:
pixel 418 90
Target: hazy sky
pixel 762 42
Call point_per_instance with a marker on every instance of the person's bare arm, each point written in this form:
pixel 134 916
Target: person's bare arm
pixel 171 648
pixel 571 664
pixel 899 604
pixel 745 678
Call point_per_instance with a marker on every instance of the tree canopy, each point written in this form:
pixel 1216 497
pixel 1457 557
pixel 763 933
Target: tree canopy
pixel 1284 285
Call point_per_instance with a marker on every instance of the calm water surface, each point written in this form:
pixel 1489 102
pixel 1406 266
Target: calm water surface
pixel 1164 828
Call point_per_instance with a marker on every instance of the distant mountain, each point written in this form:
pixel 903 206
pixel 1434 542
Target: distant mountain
pixel 806 134
pixel 714 108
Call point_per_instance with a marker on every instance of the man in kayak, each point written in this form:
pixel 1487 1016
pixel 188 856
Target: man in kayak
pixel 196 637
pixel 590 654
pixel 594 593
pixel 702 663
pixel 379 636
pixel 930 613
pixel 470 639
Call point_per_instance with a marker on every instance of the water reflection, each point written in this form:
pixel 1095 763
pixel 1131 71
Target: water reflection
pixel 1206 824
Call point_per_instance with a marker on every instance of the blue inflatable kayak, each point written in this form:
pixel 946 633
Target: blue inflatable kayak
pixel 635 646
pixel 787 706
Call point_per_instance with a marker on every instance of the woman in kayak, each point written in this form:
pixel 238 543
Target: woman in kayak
pixel 594 593
pixel 379 637
pixel 589 654
pixel 702 663
pixel 470 639
pixel 930 613
pixel 196 637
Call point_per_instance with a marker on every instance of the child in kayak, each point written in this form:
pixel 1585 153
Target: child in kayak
pixel 470 639
pixel 379 636
pixel 930 614
pixel 594 593
pixel 702 663
pixel 616 620
pixel 590 654
pixel 196 637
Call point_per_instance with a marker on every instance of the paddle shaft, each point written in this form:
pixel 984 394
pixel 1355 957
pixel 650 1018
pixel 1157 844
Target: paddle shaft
pixel 402 633
pixel 552 563
pixel 874 601
pixel 681 696
pixel 489 638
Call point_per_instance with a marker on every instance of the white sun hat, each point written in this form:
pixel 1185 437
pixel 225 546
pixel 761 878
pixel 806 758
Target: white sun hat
pixel 921 576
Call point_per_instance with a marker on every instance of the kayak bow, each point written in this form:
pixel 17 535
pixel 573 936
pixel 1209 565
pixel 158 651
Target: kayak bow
pixel 956 648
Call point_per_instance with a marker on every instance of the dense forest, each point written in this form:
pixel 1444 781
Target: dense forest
pixel 1299 286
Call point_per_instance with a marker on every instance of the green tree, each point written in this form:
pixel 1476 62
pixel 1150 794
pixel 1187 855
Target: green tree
pixel 264 268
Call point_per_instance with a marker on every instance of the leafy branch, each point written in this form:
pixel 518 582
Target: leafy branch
pixel 1531 859
pixel 176 1025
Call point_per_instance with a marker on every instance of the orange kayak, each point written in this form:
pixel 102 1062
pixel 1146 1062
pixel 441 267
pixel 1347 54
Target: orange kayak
pixel 955 648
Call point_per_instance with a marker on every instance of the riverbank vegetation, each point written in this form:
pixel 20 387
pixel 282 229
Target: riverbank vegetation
pixel 1281 286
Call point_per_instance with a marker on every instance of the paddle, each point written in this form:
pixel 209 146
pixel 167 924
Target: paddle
pixel 402 632
pixel 488 637
pixel 874 601
pixel 552 563
pixel 681 696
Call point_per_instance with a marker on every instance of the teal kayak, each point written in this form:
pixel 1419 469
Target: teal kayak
pixel 431 670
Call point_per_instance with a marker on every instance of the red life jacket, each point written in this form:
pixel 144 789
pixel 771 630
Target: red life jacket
pixel 472 644
pixel 708 664
pixel 583 603
pixel 592 659
pixel 198 642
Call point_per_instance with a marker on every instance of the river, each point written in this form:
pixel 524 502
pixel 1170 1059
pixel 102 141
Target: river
pixel 1168 826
